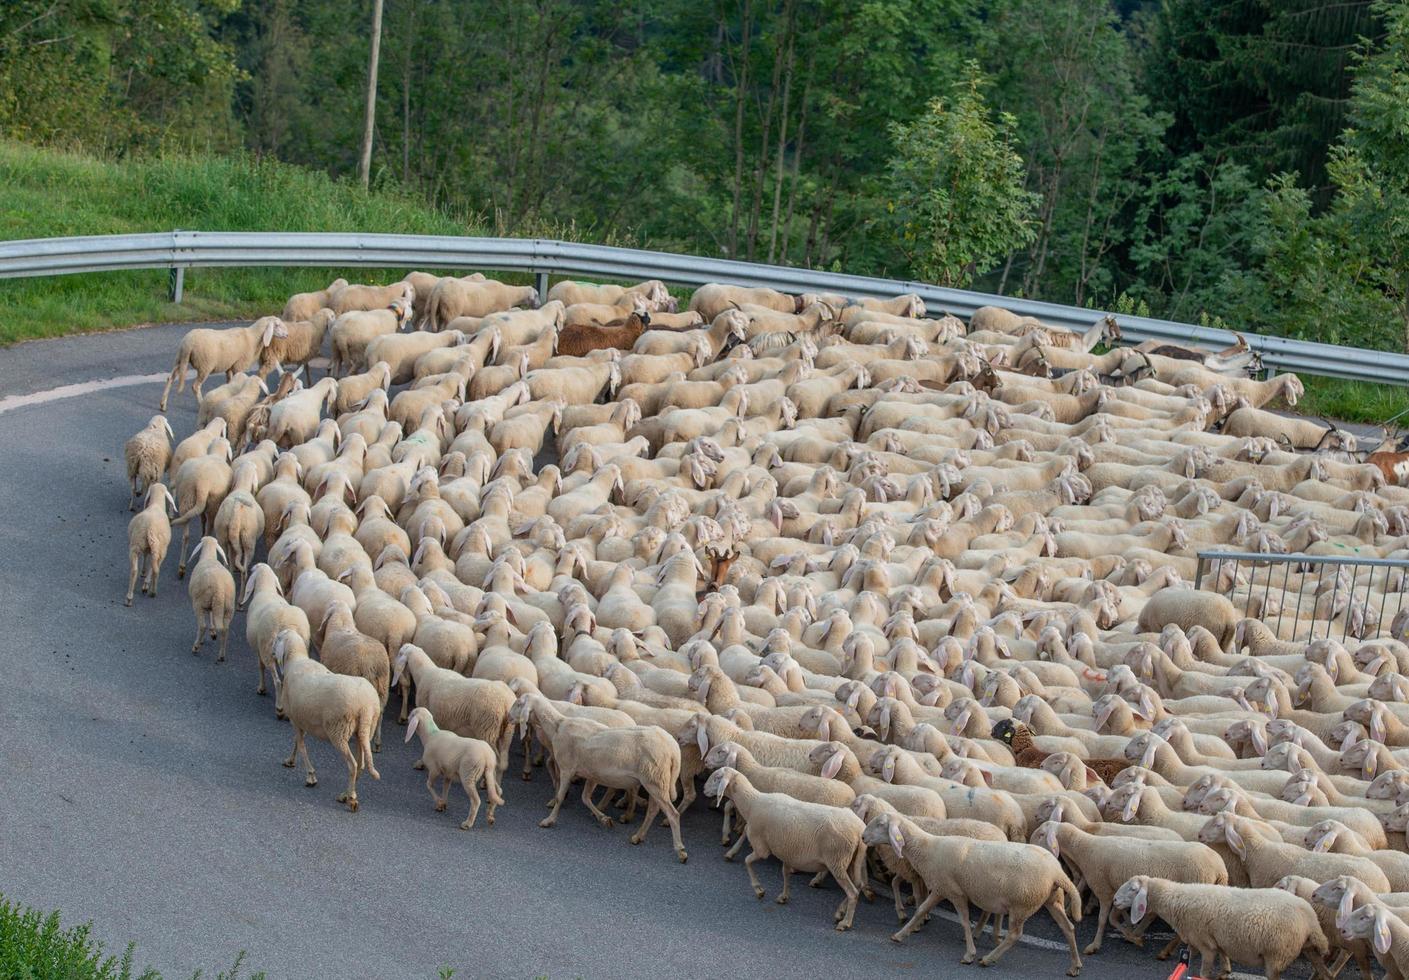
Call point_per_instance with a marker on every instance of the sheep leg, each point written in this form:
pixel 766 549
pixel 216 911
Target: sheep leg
pixel 564 783
pixel 588 788
pixel 1169 948
pixel 134 569
pixel 491 791
pixel 259 669
pixel 200 632
pixel 1014 933
pixel 1208 961
pixel 153 563
pixel 405 700
pixel 897 891
pixel 501 751
pixel 733 852
pixel 652 808
pixel 782 898
pixel 1057 910
pixel 527 744
pixel 1318 965
pixel 755 855
pixel 1095 945
pixel 224 637
pixel 132 500
pixel 472 793
pixel 818 879
pixel 431 779
pixel 725 832
pixel 922 910
pixel 860 875
pixel 353 768
pixel 181 560
pixel 846 911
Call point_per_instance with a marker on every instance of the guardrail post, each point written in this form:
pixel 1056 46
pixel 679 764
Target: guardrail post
pixel 177 282
pixel 540 282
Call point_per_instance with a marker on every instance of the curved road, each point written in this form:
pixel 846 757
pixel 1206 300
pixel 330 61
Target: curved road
pixel 141 787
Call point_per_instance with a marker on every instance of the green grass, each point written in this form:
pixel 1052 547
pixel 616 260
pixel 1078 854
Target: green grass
pixel 1354 401
pixel 34 946
pixel 48 193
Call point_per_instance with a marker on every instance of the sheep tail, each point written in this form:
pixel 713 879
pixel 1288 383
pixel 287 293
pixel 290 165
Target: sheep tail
pixel 196 510
pixel 1073 897
pixel 183 362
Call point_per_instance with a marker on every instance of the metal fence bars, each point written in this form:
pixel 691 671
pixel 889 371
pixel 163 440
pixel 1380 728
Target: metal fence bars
pixel 180 250
pixel 1303 597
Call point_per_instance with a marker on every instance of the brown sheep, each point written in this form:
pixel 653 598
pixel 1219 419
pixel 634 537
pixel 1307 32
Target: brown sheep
pixel 580 339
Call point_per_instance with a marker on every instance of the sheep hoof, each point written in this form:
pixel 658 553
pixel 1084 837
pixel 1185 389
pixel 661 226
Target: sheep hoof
pixel 683 856
pixel 440 808
pixel 968 959
pixel 220 659
pixel 635 840
pixel 312 781
pixel 352 805
pixel 288 763
pixel 260 691
pixel 527 778
pixel 489 821
pixel 546 822
pixel 758 893
pixel 984 962
pixel 781 900
pixel 466 825
pixel 129 599
pixel 181 572
pixel 1092 949
pixel 418 765
pixel 1074 971
pixel 897 937
pixel 842 927
pixel 606 822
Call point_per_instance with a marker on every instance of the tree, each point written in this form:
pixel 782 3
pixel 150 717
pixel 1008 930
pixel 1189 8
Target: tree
pixel 954 187
pixel 364 163
pixel 1343 276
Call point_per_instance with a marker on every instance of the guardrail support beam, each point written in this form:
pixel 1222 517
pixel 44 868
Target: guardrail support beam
pixel 178 283
pixel 540 282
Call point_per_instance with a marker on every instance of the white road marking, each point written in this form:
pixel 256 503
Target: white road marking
pixel 73 391
pixel 1041 943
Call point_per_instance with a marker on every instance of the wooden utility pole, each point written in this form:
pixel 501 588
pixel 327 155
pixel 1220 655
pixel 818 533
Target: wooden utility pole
pixel 364 166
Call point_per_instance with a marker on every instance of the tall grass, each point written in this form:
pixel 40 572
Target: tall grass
pixel 34 946
pixel 48 193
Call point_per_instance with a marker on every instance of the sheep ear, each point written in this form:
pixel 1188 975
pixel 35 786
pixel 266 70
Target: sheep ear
pixel 1382 934
pixel 897 839
pixel 888 768
pixel 1092 776
pixel 1140 905
pixel 962 720
pixel 268 336
pixel 1151 747
pixel 1325 841
pixel 411 727
pixel 833 765
pixel 1346 906
pixel 1303 800
pixel 987 777
pixel 1051 839
pixel 702 737
pixel 1132 804
pixel 1259 740
pixel 1146 708
pixel 1377 726
pixel 1235 841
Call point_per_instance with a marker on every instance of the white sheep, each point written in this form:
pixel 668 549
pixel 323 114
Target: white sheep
pixel 802 836
pixel 147 454
pixel 447 756
pixel 1264 926
pixel 212 591
pixel 148 538
pixel 1004 878
pixel 333 707
pixel 209 351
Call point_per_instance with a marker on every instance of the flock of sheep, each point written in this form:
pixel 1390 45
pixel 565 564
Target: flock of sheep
pixel 911 593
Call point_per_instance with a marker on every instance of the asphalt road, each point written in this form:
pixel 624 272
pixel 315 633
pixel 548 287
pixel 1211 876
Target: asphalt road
pixel 141 787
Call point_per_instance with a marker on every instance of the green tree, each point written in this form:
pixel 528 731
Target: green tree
pixel 955 187
pixel 1343 276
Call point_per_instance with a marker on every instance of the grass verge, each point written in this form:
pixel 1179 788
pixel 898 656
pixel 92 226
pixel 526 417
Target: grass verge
pixel 34 945
pixel 49 193
pixel 1354 401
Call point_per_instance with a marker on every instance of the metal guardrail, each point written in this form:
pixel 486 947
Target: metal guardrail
pixel 1336 598
pixel 180 250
